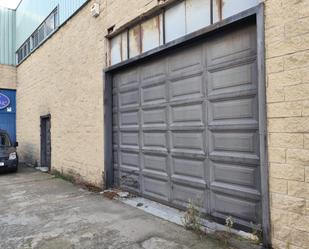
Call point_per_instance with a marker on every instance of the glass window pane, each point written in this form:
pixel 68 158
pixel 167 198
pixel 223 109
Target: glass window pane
pixel 116 49
pixel 41 33
pixel 135 41
pixel 35 39
pixel 124 45
pixel 119 48
pixel 197 14
pixel 175 24
pixel 50 24
pixel 151 34
pixel 232 7
pixel 216 8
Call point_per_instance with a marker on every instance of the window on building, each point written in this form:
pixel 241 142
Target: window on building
pixel 4 140
pixel 24 50
pixel 180 19
pixel 39 35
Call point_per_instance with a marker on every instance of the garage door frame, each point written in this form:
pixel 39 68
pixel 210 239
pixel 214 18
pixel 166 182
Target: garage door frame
pixel 256 14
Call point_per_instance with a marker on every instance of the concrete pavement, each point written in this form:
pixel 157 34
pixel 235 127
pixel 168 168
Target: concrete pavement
pixel 38 210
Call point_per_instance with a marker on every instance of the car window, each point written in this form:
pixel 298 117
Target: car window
pixel 4 140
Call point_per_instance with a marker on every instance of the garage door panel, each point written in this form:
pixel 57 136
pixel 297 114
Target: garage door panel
pixel 188 114
pixel 188 61
pixel 129 160
pixel 129 119
pixel 235 141
pixel 232 46
pixel 155 162
pixel 115 120
pixel 116 177
pixel 154 71
pixel 231 78
pixel 233 190
pixel 155 140
pixel 130 180
pixel 153 94
pixel 154 117
pixel 187 88
pixel 129 99
pixel 234 158
pixel 189 182
pixel 237 174
pixel 116 157
pixel 226 205
pixel 182 195
pixel 126 78
pixel 188 167
pixel 236 109
pixel 157 188
pixel 129 140
pixel 188 142
pixel 115 102
pixel 115 138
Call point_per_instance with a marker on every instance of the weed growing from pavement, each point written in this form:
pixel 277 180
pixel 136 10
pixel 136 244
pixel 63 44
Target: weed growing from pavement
pixel 257 232
pixel 192 217
pixel 229 223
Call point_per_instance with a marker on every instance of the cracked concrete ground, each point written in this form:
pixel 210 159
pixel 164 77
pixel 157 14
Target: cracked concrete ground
pixel 38 210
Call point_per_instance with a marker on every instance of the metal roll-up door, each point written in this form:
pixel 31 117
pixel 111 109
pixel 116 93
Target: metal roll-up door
pixel 186 126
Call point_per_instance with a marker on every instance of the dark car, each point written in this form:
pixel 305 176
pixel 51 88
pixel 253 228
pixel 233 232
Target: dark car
pixel 8 154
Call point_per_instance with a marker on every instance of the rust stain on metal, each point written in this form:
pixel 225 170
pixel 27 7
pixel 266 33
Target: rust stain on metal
pixel 220 4
pixel 142 37
pixel 157 26
pixel 135 40
pixel 138 35
pixel 121 53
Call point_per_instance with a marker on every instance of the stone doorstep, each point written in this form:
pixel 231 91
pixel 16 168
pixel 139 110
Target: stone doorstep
pixel 175 216
pixel 42 169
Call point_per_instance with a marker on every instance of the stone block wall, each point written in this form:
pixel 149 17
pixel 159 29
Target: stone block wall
pixel 63 78
pixel 287 65
pixel 7 77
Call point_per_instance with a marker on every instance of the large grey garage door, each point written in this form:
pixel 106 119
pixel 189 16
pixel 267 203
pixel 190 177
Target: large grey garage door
pixel 186 126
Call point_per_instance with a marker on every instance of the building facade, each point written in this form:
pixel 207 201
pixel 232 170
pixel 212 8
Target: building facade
pixel 173 100
pixel 8 72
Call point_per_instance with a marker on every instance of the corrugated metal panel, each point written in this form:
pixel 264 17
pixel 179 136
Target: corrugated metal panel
pixel 31 13
pixel 7 36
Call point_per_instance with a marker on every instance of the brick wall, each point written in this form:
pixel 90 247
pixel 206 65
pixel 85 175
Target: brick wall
pixel 64 78
pixel 7 77
pixel 287 65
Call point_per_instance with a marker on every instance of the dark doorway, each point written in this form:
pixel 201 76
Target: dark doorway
pixel 45 142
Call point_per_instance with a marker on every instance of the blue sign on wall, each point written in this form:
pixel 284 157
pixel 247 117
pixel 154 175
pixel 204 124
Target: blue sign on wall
pixel 4 101
pixel 8 112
